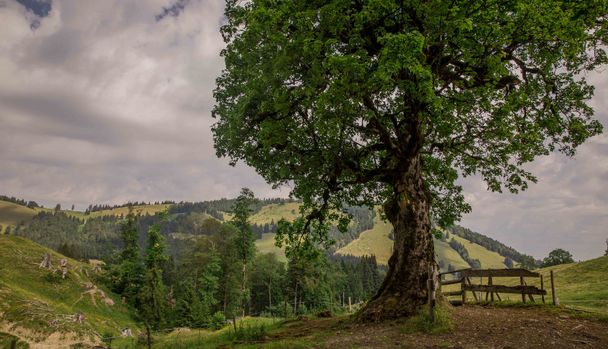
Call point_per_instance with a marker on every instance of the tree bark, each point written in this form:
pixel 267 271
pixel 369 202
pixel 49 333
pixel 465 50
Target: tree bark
pixel 404 290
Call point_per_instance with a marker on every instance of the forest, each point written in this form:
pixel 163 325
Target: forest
pixel 200 270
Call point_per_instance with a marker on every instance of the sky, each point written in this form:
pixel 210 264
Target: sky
pixel 109 101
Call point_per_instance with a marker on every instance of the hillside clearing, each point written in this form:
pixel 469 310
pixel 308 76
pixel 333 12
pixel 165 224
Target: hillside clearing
pixel 12 214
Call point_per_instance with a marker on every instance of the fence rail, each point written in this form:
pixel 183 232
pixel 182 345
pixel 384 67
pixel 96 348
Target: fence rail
pixel 463 277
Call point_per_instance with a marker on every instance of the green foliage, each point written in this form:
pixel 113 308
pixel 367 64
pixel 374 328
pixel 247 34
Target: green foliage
pixel 127 277
pixel 556 257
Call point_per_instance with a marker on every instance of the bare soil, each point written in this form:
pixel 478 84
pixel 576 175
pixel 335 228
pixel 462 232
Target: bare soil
pixel 474 327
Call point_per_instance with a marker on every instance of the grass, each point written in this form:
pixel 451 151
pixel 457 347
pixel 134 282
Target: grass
pixel 12 214
pixel 276 212
pixel 449 256
pixel 489 259
pixel 266 245
pixel 41 302
pixel 252 332
pixel 422 323
pixel 581 286
pixel 374 241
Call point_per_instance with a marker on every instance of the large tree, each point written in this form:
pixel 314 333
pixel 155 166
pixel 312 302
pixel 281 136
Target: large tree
pixel 389 102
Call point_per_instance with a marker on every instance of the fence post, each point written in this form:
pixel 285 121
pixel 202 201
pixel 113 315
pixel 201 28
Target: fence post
pixel 542 287
pixel 553 296
pixel 523 295
pixel 431 293
pixel 490 283
pixel 462 287
pixel 14 344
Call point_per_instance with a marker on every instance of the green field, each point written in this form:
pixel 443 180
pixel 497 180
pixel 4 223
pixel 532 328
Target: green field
pixel 266 245
pixel 582 285
pixel 276 212
pixel 12 214
pixel 375 241
pixel 488 259
pixel 447 254
pixel 38 304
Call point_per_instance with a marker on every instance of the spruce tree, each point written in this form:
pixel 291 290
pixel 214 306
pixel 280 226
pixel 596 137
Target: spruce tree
pixel 152 296
pixel 245 240
pixel 130 268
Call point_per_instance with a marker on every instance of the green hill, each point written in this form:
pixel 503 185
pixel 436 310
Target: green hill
pixel 582 285
pixel 39 306
pixel 11 214
pixel 377 241
pixel 374 241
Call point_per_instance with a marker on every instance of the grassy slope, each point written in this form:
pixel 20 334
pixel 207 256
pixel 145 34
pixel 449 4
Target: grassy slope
pixel 275 212
pixel 583 285
pixel 30 300
pixel 11 214
pixel 266 245
pixel 374 241
pixel 488 259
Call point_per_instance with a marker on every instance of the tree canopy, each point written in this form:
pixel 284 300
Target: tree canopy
pixel 556 257
pixel 335 96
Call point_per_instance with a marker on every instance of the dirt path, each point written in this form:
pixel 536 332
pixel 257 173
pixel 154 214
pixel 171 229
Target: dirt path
pixel 474 327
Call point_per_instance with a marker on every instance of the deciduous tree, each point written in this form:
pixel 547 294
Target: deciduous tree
pixel 556 257
pixel 389 102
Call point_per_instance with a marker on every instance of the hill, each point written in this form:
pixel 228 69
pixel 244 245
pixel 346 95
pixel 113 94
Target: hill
pixel 41 307
pixel 368 234
pixel 582 285
pixel 11 214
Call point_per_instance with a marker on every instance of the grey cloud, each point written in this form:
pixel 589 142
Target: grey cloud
pixel 173 10
pixel 105 104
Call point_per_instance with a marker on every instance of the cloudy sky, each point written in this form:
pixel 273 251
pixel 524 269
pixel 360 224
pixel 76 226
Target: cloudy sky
pixel 109 101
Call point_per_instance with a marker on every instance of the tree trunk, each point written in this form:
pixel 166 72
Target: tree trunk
pixel 148 336
pixel 404 290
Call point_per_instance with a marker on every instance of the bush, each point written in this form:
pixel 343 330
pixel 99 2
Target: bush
pixel 217 321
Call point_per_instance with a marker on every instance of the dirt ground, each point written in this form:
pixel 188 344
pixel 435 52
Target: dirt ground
pixel 474 327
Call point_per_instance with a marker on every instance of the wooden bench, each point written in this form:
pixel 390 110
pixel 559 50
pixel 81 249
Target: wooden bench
pixel 463 277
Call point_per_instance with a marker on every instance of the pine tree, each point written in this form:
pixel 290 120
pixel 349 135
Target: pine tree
pixel 131 268
pixel 245 240
pixel 152 296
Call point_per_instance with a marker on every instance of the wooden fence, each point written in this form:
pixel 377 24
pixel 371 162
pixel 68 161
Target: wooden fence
pixel 463 278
